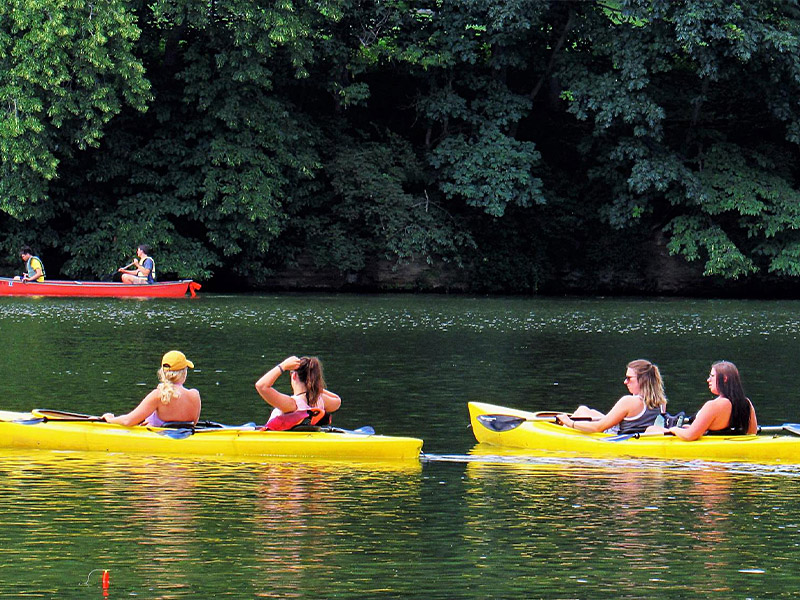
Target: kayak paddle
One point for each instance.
(502, 423)
(793, 428)
(63, 415)
(43, 415)
(626, 436)
(184, 432)
(113, 274)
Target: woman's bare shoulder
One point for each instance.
(630, 400)
(718, 403)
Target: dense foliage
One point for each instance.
(513, 145)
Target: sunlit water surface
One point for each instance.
(464, 522)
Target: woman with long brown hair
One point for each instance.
(731, 412)
(309, 403)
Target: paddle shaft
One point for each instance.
(792, 428)
(626, 436)
(786, 428)
(508, 422)
(62, 415)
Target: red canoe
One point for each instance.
(98, 289)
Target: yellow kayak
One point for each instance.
(502, 426)
(53, 430)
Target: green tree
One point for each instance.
(67, 67)
(695, 109)
(532, 145)
(204, 177)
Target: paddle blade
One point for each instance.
(500, 422)
(28, 421)
(365, 430)
(176, 434)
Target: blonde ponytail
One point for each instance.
(167, 386)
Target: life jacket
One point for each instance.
(151, 277)
(286, 421)
(31, 271)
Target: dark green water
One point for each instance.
(454, 526)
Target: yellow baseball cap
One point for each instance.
(175, 361)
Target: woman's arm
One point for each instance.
(331, 401)
(702, 421)
(273, 397)
(618, 412)
(138, 414)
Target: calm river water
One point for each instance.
(464, 522)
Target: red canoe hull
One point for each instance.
(98, 289)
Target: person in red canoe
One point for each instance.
(170, 401)
(145, 271)
(34, 269)
(309, 404)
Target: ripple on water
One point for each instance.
(655, 317)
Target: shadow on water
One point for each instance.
(547, 459)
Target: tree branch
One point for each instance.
(556, 49)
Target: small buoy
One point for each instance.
(106, 580)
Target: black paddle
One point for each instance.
(626, 436)
(791, 428)
(502, 423)
(45, 414)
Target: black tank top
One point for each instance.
(640, 423)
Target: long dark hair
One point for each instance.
(310, 373)
(729, 385)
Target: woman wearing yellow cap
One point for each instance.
(170, 401)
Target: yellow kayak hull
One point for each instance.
(230, 442)
(539, 434)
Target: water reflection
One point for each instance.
(631, 526)
(458, 526)
(160, 525)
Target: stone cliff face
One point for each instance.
(641, 269)
(379, 275)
